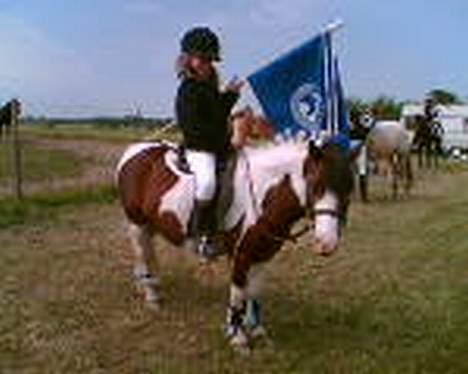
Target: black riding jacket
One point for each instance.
(202, 112)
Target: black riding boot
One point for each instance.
(203, 227)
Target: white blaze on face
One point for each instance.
(326, 225)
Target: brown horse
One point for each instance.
(247, 128)
(13, 107)
(273, 187)
(428, 141)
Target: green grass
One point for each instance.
(39, 208)
(41, 164)
(394, 299)
(94, 132)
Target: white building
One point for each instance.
(453, 118)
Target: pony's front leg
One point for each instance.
(236, 313)
(145, 262)
(253, 317)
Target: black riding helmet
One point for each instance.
(201, 41)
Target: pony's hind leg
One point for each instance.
(145, 262)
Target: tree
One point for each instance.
(443, 97)
(356, 108)
(385, 108)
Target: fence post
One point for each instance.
(16, 150)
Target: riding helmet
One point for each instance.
(201, 41)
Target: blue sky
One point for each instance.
(98, 57)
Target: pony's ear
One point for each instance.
(315, 151)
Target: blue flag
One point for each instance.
(301, 91)
(341, 119)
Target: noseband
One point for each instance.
(327, 212)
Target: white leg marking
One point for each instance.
(145, 262)
(235, 316)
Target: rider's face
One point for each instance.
(202, 66)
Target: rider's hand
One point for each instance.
(234, 85)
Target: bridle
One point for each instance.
(328, 212)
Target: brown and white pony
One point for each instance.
(274, 186)
(13, 107)
(389, 145)
(247, 128)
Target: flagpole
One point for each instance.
(331, 29)
(334, 26)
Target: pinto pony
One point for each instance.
(247, 127)
(273, 187)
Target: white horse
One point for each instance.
(389, 144)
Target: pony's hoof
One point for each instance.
(258, 332)
(243, 350)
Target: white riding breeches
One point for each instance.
(203, 166)
(361, 160)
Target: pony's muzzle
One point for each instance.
(324, 249)
(326, 234)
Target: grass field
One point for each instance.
(40, 164)
(393, 300)
(93, 132)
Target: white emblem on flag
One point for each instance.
(307, 106)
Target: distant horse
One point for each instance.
(390, 146)
(13, 107)
(428, 141)
(273, 187)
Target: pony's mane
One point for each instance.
(277, 153)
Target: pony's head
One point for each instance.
(329, 185)
(246, 126)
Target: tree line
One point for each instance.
(109, 122)
(387, 108)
